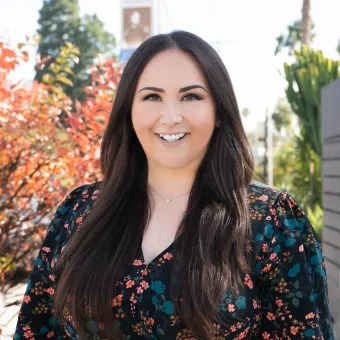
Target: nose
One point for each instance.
(170, 114)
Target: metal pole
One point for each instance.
(270, 157)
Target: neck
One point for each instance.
(170, 182)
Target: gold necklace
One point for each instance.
(167, 199)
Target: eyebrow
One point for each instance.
(183, 89)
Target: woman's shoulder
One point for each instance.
(275, 211)
(262, 196)
(70, 214)
(258, 191)
(261, 199)
(79, 198)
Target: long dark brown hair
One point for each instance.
(215, 229)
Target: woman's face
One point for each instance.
(173, 111)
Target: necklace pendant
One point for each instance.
(168, 200)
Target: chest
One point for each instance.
(160, 231)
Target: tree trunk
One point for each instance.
(305, 23)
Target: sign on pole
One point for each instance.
(137, 25)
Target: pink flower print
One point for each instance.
(28, 334)
(263, 198)
(117, 301)
(265, 247)
(50, 334)
(139, 290)
(294, 330)
(278, 302)
(95, 194)
(310, 315)
(46, 249)
(248, 281)
(255, 305)
(144, 284)
(267, 267)
(52, 277)
(272, 256)
(27, 299)
(271, 316)
(130, 283)
(273, 211)
(137, 263)
(231, 307)
(301, 248)
(168, 256)
(132, 298)
(66, 226)
(50, 290)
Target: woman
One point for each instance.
(178, 241)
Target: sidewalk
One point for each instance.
(9, 307)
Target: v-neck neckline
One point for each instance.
(157, 257)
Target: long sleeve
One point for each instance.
(35, 320)
(295, 301)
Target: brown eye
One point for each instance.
(151, 97)
(191, 96)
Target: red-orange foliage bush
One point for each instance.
(48, 145)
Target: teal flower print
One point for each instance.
(154, 300)
(158, 287)
(294, 270)
(241, 302)
(168, 307)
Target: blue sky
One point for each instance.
(242, 31)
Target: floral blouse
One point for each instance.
(285, 297)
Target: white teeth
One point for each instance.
(172, 138)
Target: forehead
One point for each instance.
(172, 68)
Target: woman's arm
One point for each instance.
(35, 320)
(295, 292)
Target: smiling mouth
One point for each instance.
(173, 137)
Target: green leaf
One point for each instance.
(47, 78)
(64, 80)
(295, 269)
(60, 60)
(55, 67)
(295, 302)
(299, 294)
(68, 70)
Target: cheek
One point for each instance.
(201, 118)
(143, 121)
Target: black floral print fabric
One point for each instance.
(284, 297)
